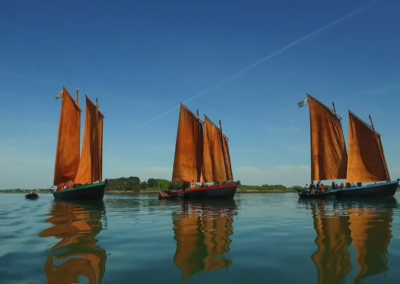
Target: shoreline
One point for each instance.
(157, 191)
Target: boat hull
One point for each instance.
(381, 189)
(222, 191)
(85, 192)
(31, 196)
(326, 194)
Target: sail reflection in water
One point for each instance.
(202, 230)
(341, 224)
(76, 256)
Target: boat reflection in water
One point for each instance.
(202, 230)
(76, 256)
(364, 224)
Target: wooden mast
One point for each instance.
(223, 151)
(77, 97)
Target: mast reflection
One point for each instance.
(202, 230)
(364, 224)
(77, 254)
(371, 234)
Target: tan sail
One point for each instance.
(68, 142)
(101, 125)
(189, 148)
(328, 148)
(367, 161)
(89, 166)
(371, 234)
(227, 157)
(213, 156)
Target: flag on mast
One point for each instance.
(302, 103)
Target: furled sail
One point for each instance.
(189, 148)
(328, 148)
(90, 167)
(213, 156)
(367, 161)
(68, 142)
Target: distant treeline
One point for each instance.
(136, 185)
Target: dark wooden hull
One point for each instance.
(326, 194)
(380, 189)
(222, 191)
(85, 192)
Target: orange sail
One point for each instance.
(90, 166)
(213, 156)
(367, 161)
(68, 142)
(101, 125)
(328, 149)
(227, 157)
(189, 148)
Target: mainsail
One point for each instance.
(328, 148)
(90, 165)
(189, 148)
(367, 161)
(200, 157)
(68, 142)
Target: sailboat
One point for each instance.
(201, 158)
(329, 161)
(328, 148)
(79, 177)
(367, 162)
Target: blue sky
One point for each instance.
(141, 58)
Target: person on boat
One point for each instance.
(322, 187)
(307, 187)
(318, 184)
(342, 185)
(193, 185)
(334, 185)
(312, 187)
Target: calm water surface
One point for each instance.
(255, 238)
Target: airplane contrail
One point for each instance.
(304, 38)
